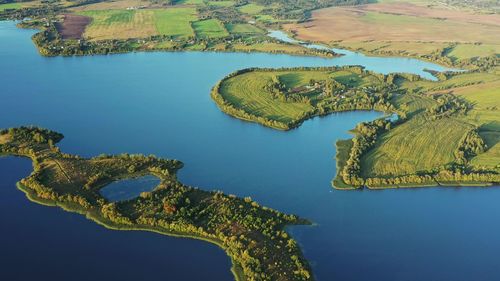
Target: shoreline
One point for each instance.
(94, 217)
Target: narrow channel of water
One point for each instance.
(383, 65)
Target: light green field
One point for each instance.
(421, 144)
(120, 24)
(210, 28)
(175, 21)
(466, 51)
(190, 2)
(8, 6)
(221, 3)
(485, 115)
(247, 91)
(416, 145)
(251, 9)
(124, 24)
(243, 28)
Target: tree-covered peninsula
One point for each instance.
(443, 132)
(252, 235)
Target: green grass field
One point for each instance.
(175, 22)
(244, 28)
(416, 145)
(123, 24)
(8, 6)
(120, 24)
(251, 9)
(210, 28)
(221, 3)
(247, 92)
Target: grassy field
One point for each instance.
(10, 6)
(244, 28)
(123, 24)
(419, 144)
(247, 92)
(210, 28)
(119, 24)
(251, 9)
(175, 22)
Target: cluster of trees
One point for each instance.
(366, 136)
(471, 146)
(447, 105)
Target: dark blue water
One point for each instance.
(127, 189)
(159, 103)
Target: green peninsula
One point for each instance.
(252, 235)
(444, 132)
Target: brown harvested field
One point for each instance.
(72, 26)
(398, 22)
(409, 9)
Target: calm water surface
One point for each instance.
(127, 189)
(159, 103)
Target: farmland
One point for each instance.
(423, 29)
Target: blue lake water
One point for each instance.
(127, 189)
(159, 103)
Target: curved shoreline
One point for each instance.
(93, 216)
(173, 209)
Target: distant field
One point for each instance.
(221, 3)
(385, 22)
(210, 28)
(244, 28)
(4, 7)
(175, 21)
(120, 24)
(112, 5)
(252, 9)
(123, 24)
(396, 28)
